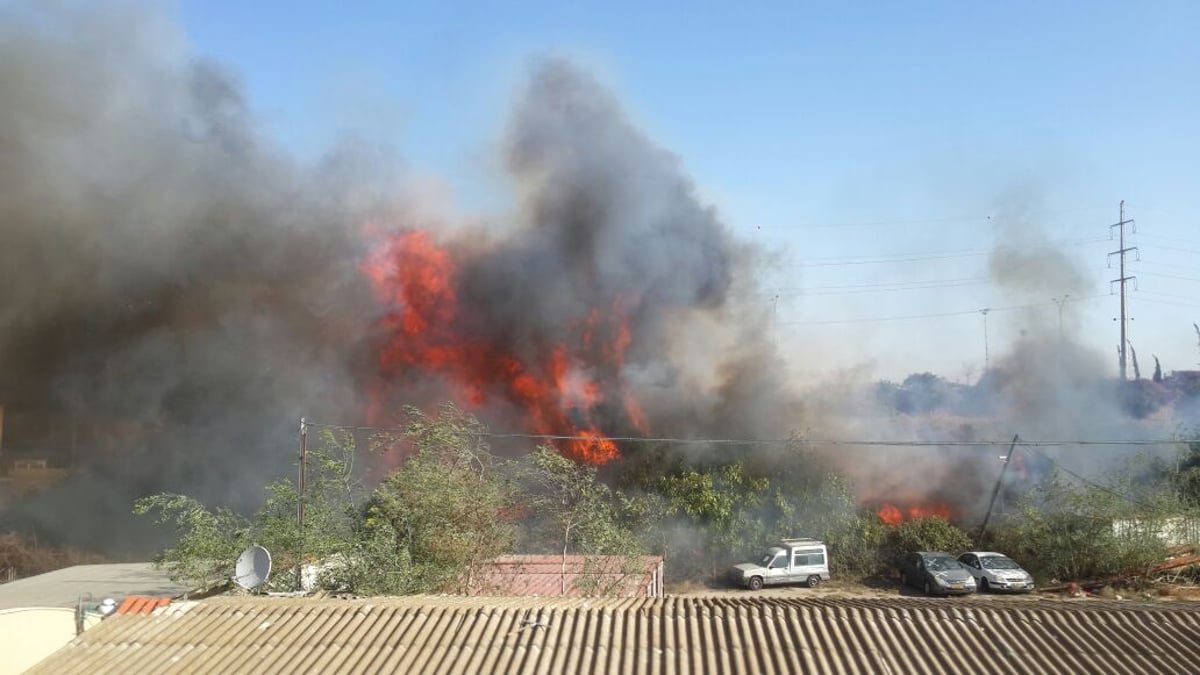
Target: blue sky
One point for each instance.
(880, 149)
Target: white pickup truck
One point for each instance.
(793, 561)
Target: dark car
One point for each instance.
(936, 573)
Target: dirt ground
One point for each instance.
(879, 588)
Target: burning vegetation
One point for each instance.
(556, 389)
(893, 515)
(562, 319)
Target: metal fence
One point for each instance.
(1172, 530)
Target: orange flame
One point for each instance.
(417, 281)
(893, 515)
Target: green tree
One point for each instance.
(570, 510)
(581, 513)
(209, 539)
(1066, 531)
(1186, 476)
(721, 504)
(858, 547)
(807, 496)
(449, 506)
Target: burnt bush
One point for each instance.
(23, 558)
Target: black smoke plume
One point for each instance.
(176, 291)
(606, 219)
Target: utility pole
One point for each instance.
(984, 312)
(1120, 252)
(301, 489)
(999, 482)
(1060, 302)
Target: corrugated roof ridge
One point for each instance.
(741, 632)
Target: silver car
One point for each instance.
(936, 573)
(996, 572)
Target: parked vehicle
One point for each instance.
(793, 561)
(996, 572)
(936, 573)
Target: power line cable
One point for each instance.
(879, 285)
(1173, 240)
(923, 256)
(1170, 276)
(1172, 303)
(977, 219)
(982, 220)
(1156, 263)
(1098, 486)
(935, 315)
(882, 288)
(1186, 298)
(1160, 247)
(779, 441)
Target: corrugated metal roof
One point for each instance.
(728, 634)
(571, 576)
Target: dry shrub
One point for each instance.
(26, 559)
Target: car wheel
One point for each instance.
(756, 583)
(813, 581)
(984, 586)
(927, 589)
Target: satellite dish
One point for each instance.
(253, 568)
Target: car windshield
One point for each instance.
(768, 559)
(942, 564)
(997, 562)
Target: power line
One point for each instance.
(1172, 240)
(1164, 212)
(1171, 276)
(977, 219)
(1160, 247)
(1098, 486)
(880, 319)
(881, 288)
(982, 220)
(1186, 268)
(1142, 291)
(935, 315)
(839, 262)
(1166, 302)
(779, 441)
(923, 256)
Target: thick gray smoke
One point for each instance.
(615, 217)
(608, 230)
(175, 291)
(1043, 385)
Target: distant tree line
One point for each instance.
(925, 393)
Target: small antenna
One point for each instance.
(253, 568)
